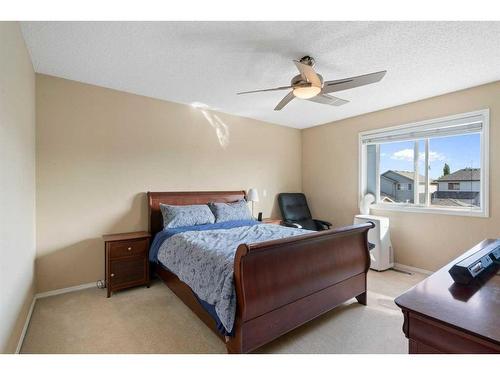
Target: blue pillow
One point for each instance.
(183, 216)
(230, 211)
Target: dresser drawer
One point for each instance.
(128, 271)
(128, 248)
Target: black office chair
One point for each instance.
(295, 212)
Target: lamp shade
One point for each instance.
(252, 195)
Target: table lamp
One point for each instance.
(252, 196)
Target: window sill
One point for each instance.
(431, 210)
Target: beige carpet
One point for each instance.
(154, 320)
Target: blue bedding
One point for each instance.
(169, 232)
(203, 257)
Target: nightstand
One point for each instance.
(126, 260)
(271, 221)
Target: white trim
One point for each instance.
(483, 211)
(427, 198)
(440, 210)
(405, 268)
(65, 290)
(416, 175)
(25, 327)
(485, 164)
(361, 171)
(44, 295)
(404, 207)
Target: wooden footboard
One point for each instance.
(285, 283)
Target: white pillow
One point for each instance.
(184, 216)
(230, 211)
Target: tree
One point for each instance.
(446, 169)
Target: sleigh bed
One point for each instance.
(279, 284)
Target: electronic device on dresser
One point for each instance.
(443, 316)
(126, 260)
(477, 264)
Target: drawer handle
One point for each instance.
(129, 249)
(112, 275)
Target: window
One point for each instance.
(403, 186)
(439, 165)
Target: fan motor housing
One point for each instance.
(308, 60)
(298, 80)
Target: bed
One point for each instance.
(279, 284)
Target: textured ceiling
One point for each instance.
(208, 62)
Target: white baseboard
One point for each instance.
(26, 324)
(65, 290)
(44, 295)
(404, 267)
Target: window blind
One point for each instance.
(464, 125)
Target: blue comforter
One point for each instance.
(203, 258)
(169, 232)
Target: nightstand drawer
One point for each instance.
(128, 248)
(125, 271)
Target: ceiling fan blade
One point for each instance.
(287, 99)
(328, 99)
(352, 82)
(273, 89)
(308, 73)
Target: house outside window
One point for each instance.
(446, 159)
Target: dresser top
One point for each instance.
(473, 308)
(126, 236)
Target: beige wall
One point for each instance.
(100, 150)
(17, 184)
(428, 241)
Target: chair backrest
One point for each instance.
(294, 207)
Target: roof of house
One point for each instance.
(386, 197)
(406, 174)
(465, 174)
(452, 202)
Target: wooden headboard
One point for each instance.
(184, 198)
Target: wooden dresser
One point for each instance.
(126, 260)
(441, 316)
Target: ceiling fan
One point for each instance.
(309, 85)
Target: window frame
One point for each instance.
(483, 211)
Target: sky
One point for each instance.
(457, 151)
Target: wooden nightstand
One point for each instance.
(126, 260)
(271, 221)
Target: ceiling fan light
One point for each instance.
(306, 92)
